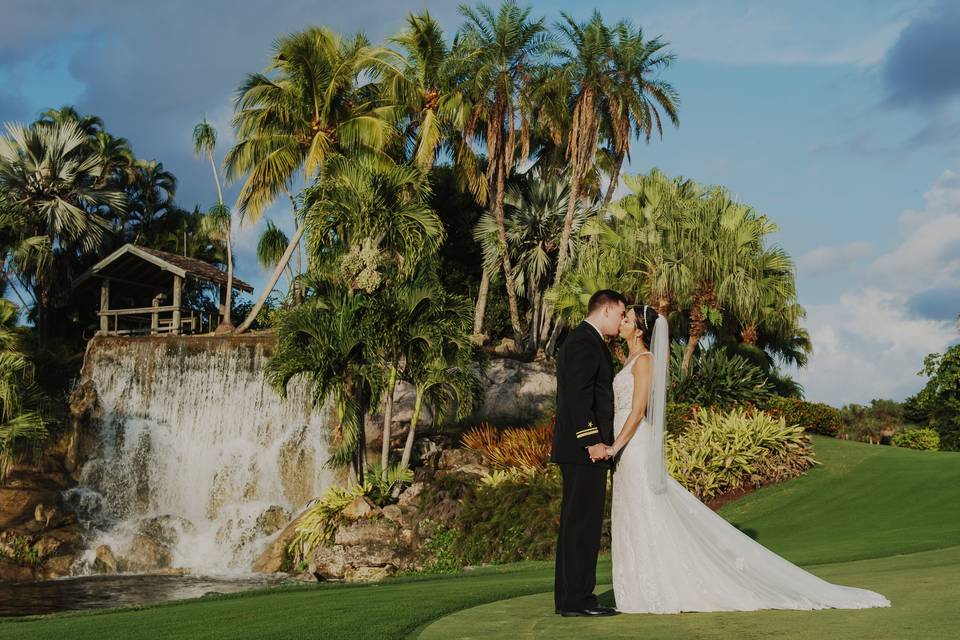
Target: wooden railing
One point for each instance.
(157, 320)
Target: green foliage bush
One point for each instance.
(815, 417)
(924, 439)
(871, 423)
(513, 516)
(717, 379)
(722, 452)
(679, 415)
(939, 401)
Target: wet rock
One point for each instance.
(20, 494)
(11, 571)
(426, 452)
(165, 529)
(329, 563)
(58, 542)
(370, 533)
(272, 558)
(272, 520)
(105, 561)
(507, 345)
(146, 554)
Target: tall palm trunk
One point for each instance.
(614, 177)
(698, 322)
(480, 310)
(412, 432)
(502, 235)
(281, 265)
(749, 334)
(387, 422)
(228, 302)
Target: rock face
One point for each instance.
(146, 554)
(515, 393)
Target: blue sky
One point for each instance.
(841, 121)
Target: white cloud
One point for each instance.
(832, 259)
(871, 343)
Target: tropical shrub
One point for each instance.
(815, 417)
(722, 452)
(939, 400)
(717, 379)
(523, 448)
(881, 418)
(924, 439)
(513, 516)
(679, 416)
(319, 524)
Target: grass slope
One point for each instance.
(863, 502)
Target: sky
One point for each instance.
(838, 120)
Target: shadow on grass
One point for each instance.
(751, 533)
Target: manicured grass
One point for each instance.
(923, 588)
(864, 502)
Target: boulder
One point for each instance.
(367, 533)
(146, 554)
(426, 452)
(360, 507)
(463, 461)
(329, 563)
(272, 520)
(507, 345)
(165, 529)
(19, 498)
(10, 571)
(105, 561)
(393, 513)
(411, 494)
(369, 574)
(271, 560)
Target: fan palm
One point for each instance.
(312, 104)
(47, 172)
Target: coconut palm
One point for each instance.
(495, 57)
(25, 412)
(47, 172)
(151, 196)
(637, 95)
(273, 241)
(204, 143)
(313, 101)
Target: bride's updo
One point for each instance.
(646, 317)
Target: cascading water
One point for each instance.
(195, 449)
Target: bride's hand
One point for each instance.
(611, 452)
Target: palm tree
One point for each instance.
(273, 241)
(89, 125)
(328, 341)
(314, 104)
(25, 412)
(496, 56)
(151, 196)
(46, 171)
(636, 99)
(204, 142)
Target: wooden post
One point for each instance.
(104, 306)
(223, 301)
(177, 292)
(155, 316)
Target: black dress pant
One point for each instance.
(581, 520)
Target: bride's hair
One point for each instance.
(646, 318)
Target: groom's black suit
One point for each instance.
(584, 418)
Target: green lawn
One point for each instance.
(864, 502)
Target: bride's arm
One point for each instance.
(641, 391)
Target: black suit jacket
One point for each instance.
(584, 396)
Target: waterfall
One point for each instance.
(193, 446)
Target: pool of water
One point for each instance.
(101, 592)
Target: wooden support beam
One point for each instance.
(177, 294)
(155, 316)
(104, 307)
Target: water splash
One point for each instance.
(194, 444)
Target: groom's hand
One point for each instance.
(597, 452)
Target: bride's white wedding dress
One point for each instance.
(671, 553)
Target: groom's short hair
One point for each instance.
(604, 297)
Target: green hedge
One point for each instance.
(924, 439)
(814, 417)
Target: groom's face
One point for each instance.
(611, 317)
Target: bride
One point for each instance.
(671, 553)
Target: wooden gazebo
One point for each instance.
(142, 291)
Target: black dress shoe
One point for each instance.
(590, 612)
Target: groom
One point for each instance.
(583, 429)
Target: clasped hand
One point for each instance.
(600, 451)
